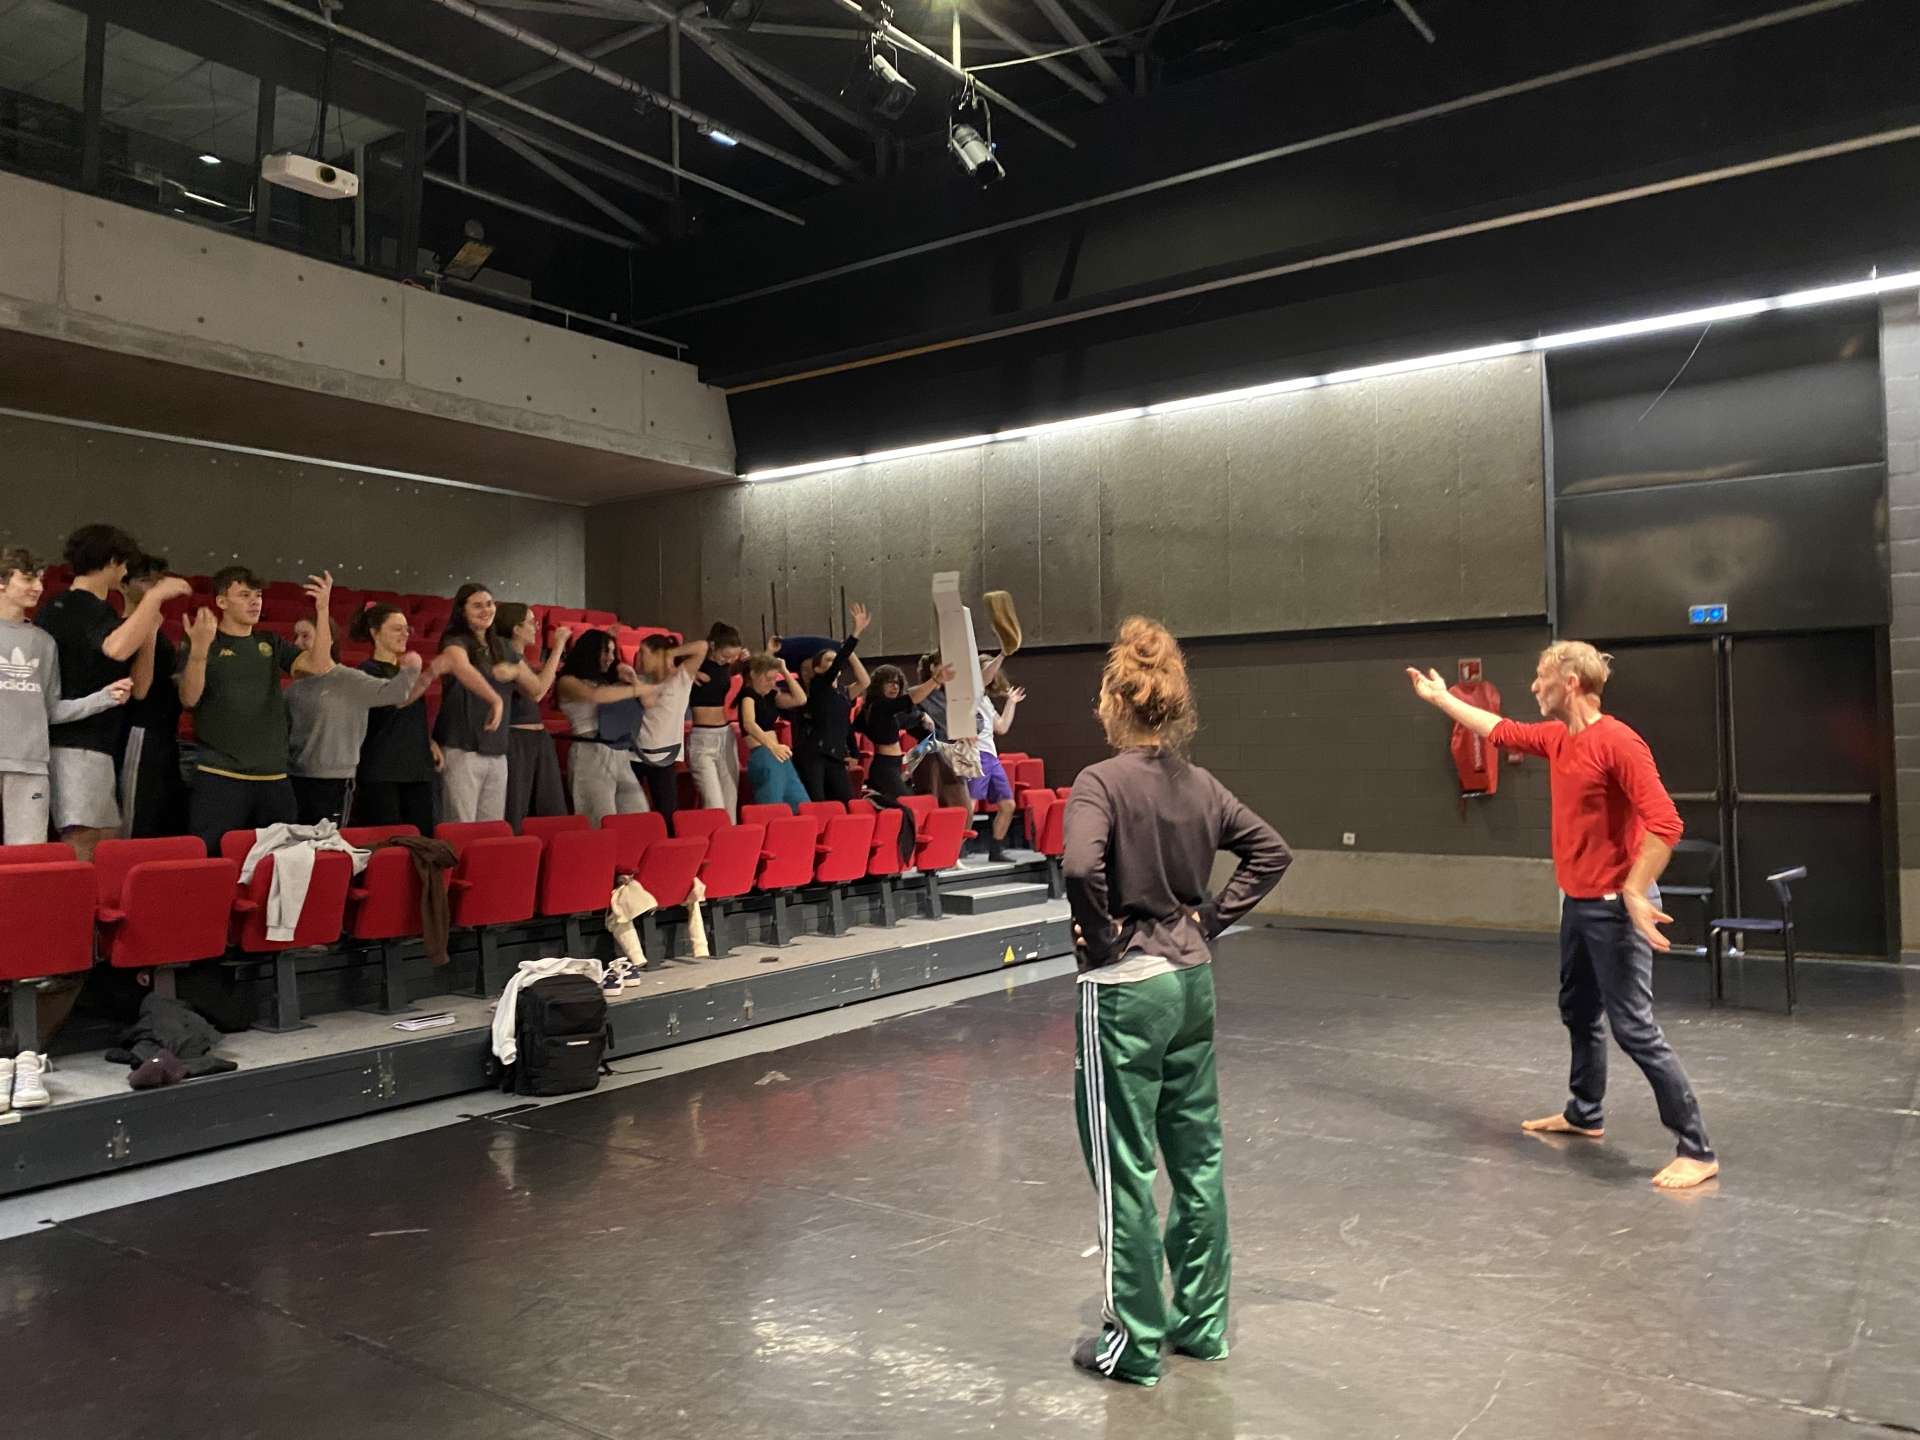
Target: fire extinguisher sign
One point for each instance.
(1470, 670)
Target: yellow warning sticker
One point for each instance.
(1008, 958)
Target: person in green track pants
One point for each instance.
(1142, 829)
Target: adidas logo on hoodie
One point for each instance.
(20, 673)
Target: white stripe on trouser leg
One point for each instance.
(1103, 1174)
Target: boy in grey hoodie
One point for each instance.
(30, 701)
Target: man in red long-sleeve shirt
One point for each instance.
(1614, 828)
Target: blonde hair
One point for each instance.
(1144, 695)
(764, 664)
(1578, 658)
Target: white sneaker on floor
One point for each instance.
(29, 1090)
(6, 1085)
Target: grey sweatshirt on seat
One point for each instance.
(329, 718)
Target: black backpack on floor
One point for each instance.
(562, 1033)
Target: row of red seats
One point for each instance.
(152, 904)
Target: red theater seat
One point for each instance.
(732, 862)
(921, 805)
(883, 858)
(941, 836)
(322, 918)
(385, 906)
(845, 849)
(700, 824)
(786, 863)
(636, 833)
(545, 827)
(667, 873)
(461, 833)
(170, 912)
(46, 928)
(48, 852)
(112, 859)
(823, 810)
(764, 814)
(496, 883)
(576, 878)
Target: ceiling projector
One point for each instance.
(309, 176)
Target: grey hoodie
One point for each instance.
(30, 697)
(329, 718)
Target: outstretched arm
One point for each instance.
(1003, 722)
(1432, 689)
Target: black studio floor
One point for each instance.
(882, 1234)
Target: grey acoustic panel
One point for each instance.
(1133, 497)
(1069, 610)
(1417, 469)
(810, 561)
(857, 545)
(1339, 512)
(676, 521)
(204, 508)
(1265, 568)
(1010, 556)
(763, 559)
(1503, 524)
(722, 551)
(1195, 510)
(903, 623)
(954, 504)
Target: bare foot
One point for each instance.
(1684, 1174)
(1559, 1125)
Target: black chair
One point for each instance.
(1740, 926)
(1695, 860)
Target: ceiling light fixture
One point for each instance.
(209, 159)
(970, 138)
(1677, 320)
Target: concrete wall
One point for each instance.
(81, 269)
(1401, 499)
(1900, 366)
(205, 508)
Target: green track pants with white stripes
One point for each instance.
(1145, 1074)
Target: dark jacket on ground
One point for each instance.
(1141, 832)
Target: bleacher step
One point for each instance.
(989, 899)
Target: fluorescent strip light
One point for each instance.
(209, 159)
(720, 137)
(1828, 294)
(1680, 320)
(205, 199)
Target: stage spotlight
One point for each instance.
(889, 93)
(970, 139)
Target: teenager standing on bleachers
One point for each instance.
(97, 647)
(30, 702)
(472, 729)
(670, 669)
(890, 708)
(329, 712)
(393, 784)
(770, 689)
(597, 690)
(231, 682)
(821, 747)
(533, 769)
(153, 796)
(713, 751)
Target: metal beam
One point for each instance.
(574, 183)
(1413, 19)
(914, 43)
(599, 50)
(535, 41)
(466, 82)
(1070, 78)
(795, 86)
(1164, 14)
(1098, 13)
(501, 129)
(552, 7)
(493, 197)
(789, 31)
(724, 57)
(1071, 32)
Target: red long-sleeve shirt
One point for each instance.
(1607, 797)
